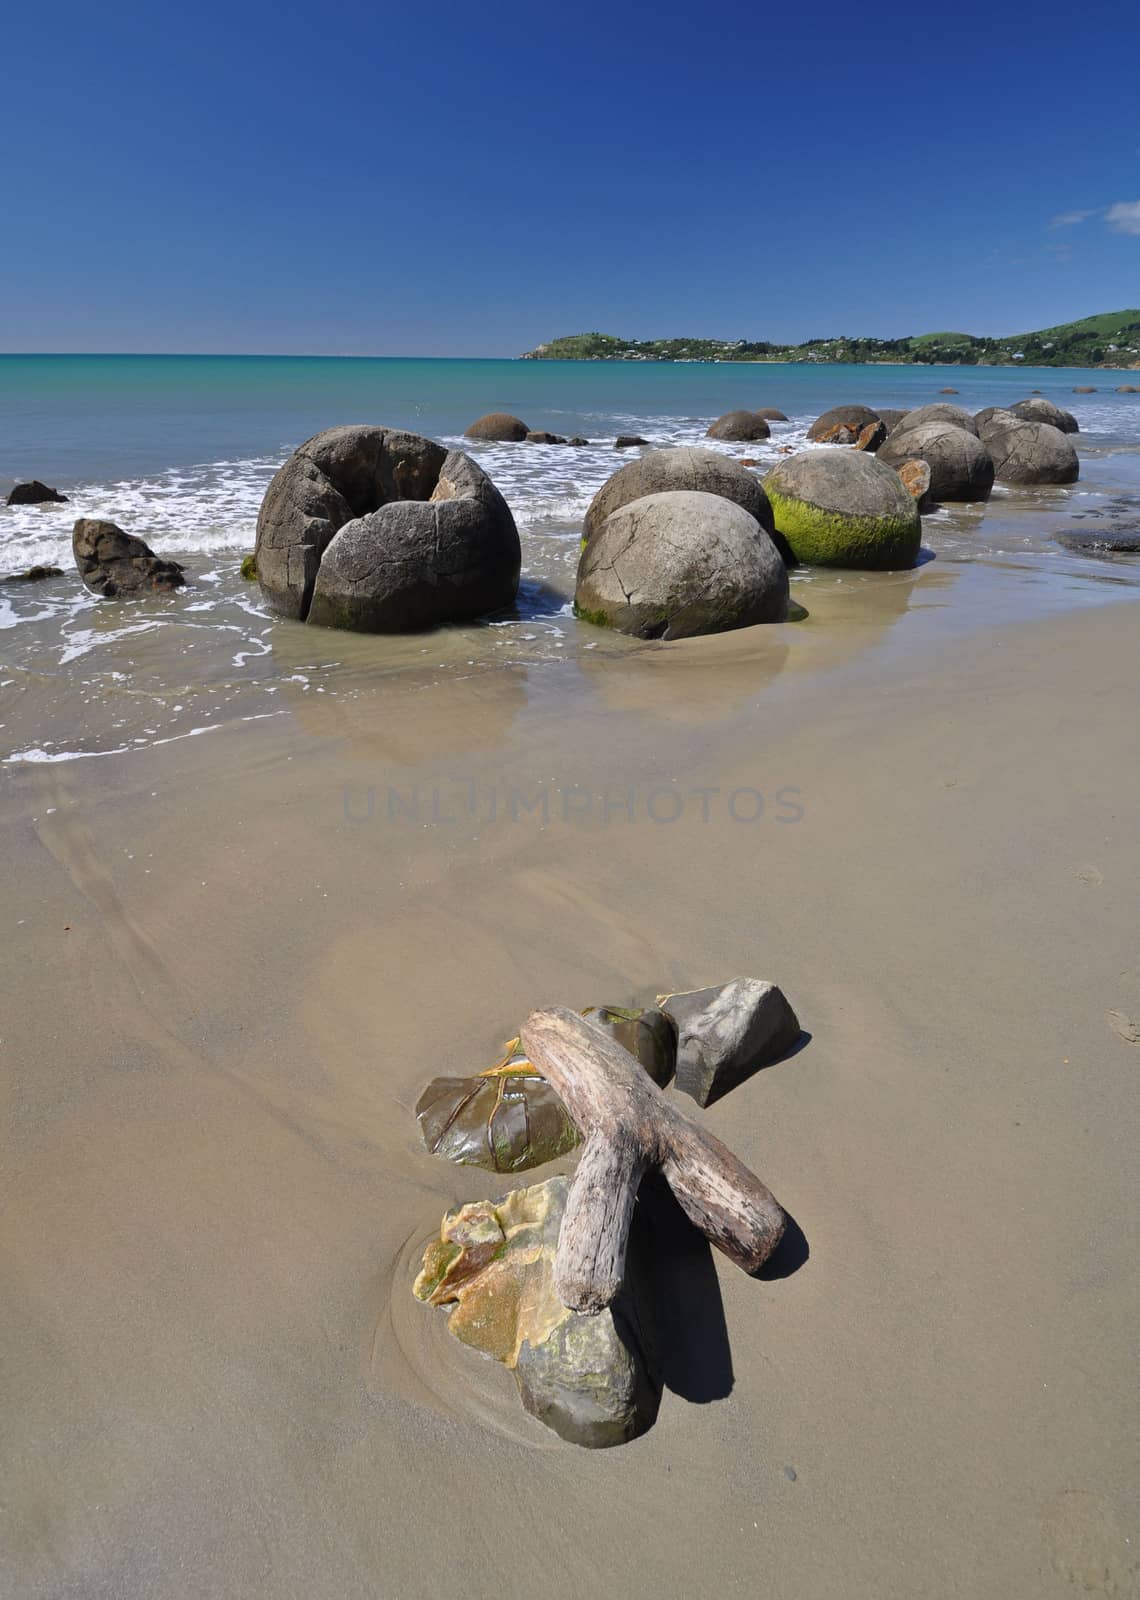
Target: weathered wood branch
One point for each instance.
(629, 1126)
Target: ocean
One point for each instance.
(179, 449)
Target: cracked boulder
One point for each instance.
(1038, 409)
(384, 531)
(1030, 452)
(686, 467)
(940, 411)
(844, 508)
(117, 565)
(680, 563)
(960, 465)
(854, 418)
(593, 1379)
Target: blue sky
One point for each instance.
(471, 179)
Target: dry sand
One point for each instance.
(224, 995)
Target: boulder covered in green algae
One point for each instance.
(508, 1118)
(249, 568)
(844, 508)
(592, 1379)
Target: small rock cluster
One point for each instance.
(594, 1379)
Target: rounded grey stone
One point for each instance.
(687, 467)
(739, 427)
(1031, 452)
(1038, 409)
(854, 417)
(960, 465)
(681, 563)
(940, 411)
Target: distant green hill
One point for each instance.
(1111, 339)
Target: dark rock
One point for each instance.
(34, 575)
(872, 436)
(1040, 410)
(498, 427)
(727, 1033)
(1031, 453)
(739, 427)
(677, 564)
(853, 417)
(960, 465)
(770, 414)
(940, 411)
(891, 419)
(686, 467)
(416, 563)
(594, 1379)
(577, 440)
(627, 441)
(538, 437)
(844, 508)
(115, 564)
(1105, 544)
(35, 494)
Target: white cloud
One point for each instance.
(1124, 216)
(1069, 219)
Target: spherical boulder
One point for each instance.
(940, 411)
(680, 563)
(1041, 410)
(844, 508)
(498, 427)
(687, 467)
(333, 477)
(770, 414)
(993, 417)
(739, 427)
(1031, 453)
(960, 465)
(414, 564)
(853, 417)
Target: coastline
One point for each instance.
(223, 1177)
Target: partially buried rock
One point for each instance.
(508, 1118)
(1102, 544)
(947, 391)
(844, 508)
(35, 494)
(853, 417)
(249, 568)
(739, 427)
(686, 467)
(577, 440)
(115, 564)
(770, 414)
(678, 564)
(593, 1379)
(960, 465)
(1085, 388)
(498, 427)
(727, 1033)
(537, 436)
(34, 575)
(1031, 453)
(1041, 410)
(627, 441)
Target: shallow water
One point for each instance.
(180, 450)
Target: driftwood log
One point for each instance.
(629, 1126)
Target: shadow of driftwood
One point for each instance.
(693, 1349)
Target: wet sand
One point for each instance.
(236, 959)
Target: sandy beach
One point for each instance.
(216, 1380)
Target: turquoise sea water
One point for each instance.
(180, 449)
(74, 418)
